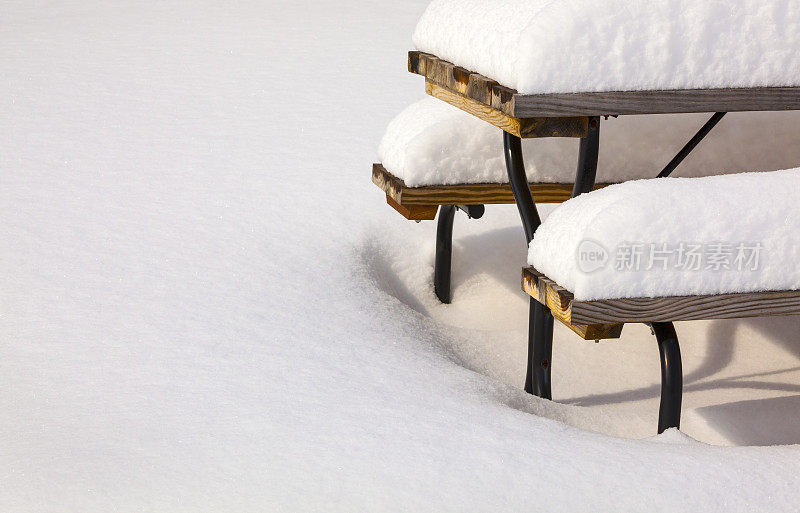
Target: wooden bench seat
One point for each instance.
(603, 319)
(422, 203)
(426, 202)
(581, 273)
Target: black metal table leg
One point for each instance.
(519, 185)
(669, 413)
(587, 159)
(540, 319)
(540, 350)
(444, 253)
(442, 264)
(540, 322)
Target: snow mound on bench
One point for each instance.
(434, 143)
(589, 244)
(542, 46)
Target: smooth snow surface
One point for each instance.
(546, 46)
(206, 305)
(433, 143)
(675, 237)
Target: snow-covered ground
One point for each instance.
(205, 305)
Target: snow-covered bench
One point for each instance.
(673, 249)
(435, 154)
(435, 157)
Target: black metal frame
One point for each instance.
(540, 319)
(442, 264)
(669, 412)
(693, 142)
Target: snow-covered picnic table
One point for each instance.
(555, 69)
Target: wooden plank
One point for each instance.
(417, 63)
(525, 128)
(466, 194)
(479, 88)
(613, 103)
(414, 212)
(687, 308)
(486, 99)
(459, 80)
(452, 77)
(616, 103)
(559, 303)
(503, 99)
(438, 72)
(596, 332)
(664, 309)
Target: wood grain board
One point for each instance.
(617, 103)
(507, 101)
(466, 194)
(662, 309)
(414, 212)
(526, 128)
(559, 301)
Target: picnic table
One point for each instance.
(579, 115)
(557, 69)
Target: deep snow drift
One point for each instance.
(205, 304)
(546, 46)
(433, 143)
(675, 237)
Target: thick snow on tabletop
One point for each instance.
(545, 46)
(675, 237)
(433, 143)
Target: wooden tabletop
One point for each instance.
(445, 77)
